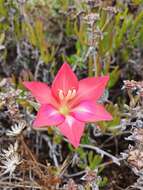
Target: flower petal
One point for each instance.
(48, 115)
(88, 111)
(72, 129)
(90, 89)
(40, 91)
(64, 80)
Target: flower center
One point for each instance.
(66, 97)
(64, 110)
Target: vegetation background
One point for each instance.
(96, 37)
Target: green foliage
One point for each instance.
(37, 38)
(103, 182)
(94, 160)
(114, 76)
(109, 126)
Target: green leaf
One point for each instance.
(114, 76)
(34, 105)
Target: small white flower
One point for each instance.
(124, 155)
(16, 129)
(129, 138)
(10, 164)
(12, 149)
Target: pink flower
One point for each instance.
(69, 103)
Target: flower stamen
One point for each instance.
(70, 95)
(61, 95)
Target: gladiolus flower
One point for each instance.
(69, 103)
